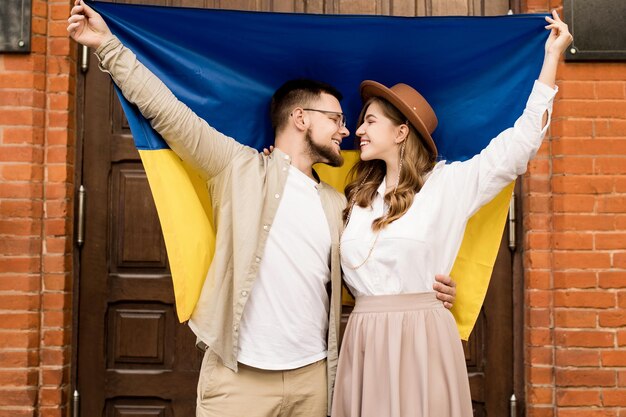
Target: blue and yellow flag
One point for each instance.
(225, 65)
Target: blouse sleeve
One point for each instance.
(478, 180)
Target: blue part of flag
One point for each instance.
(225, 65)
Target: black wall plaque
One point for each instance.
(599, 29)
(15, 18)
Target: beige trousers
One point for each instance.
(253, 392)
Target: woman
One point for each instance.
(401, 354)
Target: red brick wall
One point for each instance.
(575, 240)
(36, 193)
(574, 217)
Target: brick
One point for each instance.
(21, 117)
(538, 298)
(57, 263)
(619, 260)
(585, 378)
(610, 127)
(540, 375)
(575, 279)
(20, 265)
(30, 62)
(613, 358)
(539, 337)
(569, 221)
(20, 246)
(582, 338)
(56, 301)
(584, 298)
(540, 204)
(621, 338)
(20, 208)
(583, 184)
(539, 355)
(18, 321)
(61, 172)
(21, 172)
(610, 240)
(21, 98)
(540, 395)
(611, 204)
(577, 357)
(23, 135)
(611, 90)
(612, 279)
(573, 165)
(20, 227)
(539, 411)
(57, 319)
(19, 282)
(539, 317)
(18, 378)
(57, 282)
(56, 338)
(572, 128)
(538, 259)
(538, 280)
(20, 154)
(18, 398)
(609, 165)
(58, 245)
(614, 397)
(581, 259)
(538, 185)
(586, 412)
(538, 240)
(575, 318)
(22, 80)
(18, 340)
(577, 397)
(58, 154)
(574, 203)
(577, 90)
(18, 359)
(538, 166)
(597, 71)
(573, 240)
(538, 222)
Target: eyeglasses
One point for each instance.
(340, 119)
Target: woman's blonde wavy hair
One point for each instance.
(366, 176)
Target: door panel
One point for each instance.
(134, 358)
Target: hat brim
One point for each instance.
(371, 89)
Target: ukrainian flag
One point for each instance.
(225, 65)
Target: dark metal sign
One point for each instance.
(599, 29)
(15, 17)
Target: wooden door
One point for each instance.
(132, 355)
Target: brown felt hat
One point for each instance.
(411, 104)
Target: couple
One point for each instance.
(269, 329)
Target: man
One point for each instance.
(264, 317)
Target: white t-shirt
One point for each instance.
(285, 321)
(426, 239)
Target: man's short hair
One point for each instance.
(297, 93)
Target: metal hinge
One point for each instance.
(84, 58)
(80, 227)
(513, 403)
(76, 404)
(512, 219)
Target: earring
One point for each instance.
(400, 165)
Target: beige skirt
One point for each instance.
(401, 356)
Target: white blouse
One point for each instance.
(425, 241)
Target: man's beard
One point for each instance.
(324, 154)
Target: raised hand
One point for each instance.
(86, 26)
(559, 37)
